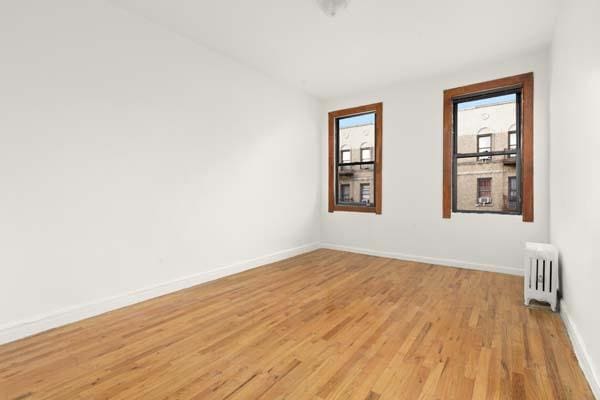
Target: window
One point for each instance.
(365, 193)
(478, 120)
(365, 155)
(512, 193)
(484, 145)
(484, 191)
(355, 133)
(345, 192)
(495, 110)
(346, 156)
(512, 142)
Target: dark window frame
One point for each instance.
(486, 155)
(376, 164)
(524, 82)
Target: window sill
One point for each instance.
(354, 209)
(484, 210)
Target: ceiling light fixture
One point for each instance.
(332, 7)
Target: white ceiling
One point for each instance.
(371, 43)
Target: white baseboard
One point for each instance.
(427, 260)
(20, 329)
(580, 350)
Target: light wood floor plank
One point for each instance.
(324, 325)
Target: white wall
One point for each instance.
(411, 225)
(575, 174)
(131, 157)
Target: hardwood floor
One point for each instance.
(324, 325)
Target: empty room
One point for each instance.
(299, 199)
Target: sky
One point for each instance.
(484, 102)
(363, 119)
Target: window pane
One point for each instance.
(357, 137)
(484, 190)
(489, 185)
(512, 142)
(484, 125)
(346, 156)
(345, 193)
(365, 154)
(355, 186)
(365, 193)
(485, 143)
(512, 203)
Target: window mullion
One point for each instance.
(356, 163)
(483, 154)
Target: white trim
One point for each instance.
(20, 329)
(585, 361)
(427, 260)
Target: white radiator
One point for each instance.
(541, 273)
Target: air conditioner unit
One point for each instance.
(541, 273)
(484, 200)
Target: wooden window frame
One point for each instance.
(376, 108)
(523, 82)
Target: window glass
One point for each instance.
(483, 158)
(485, 116)
(355, 179)
(356, 138)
